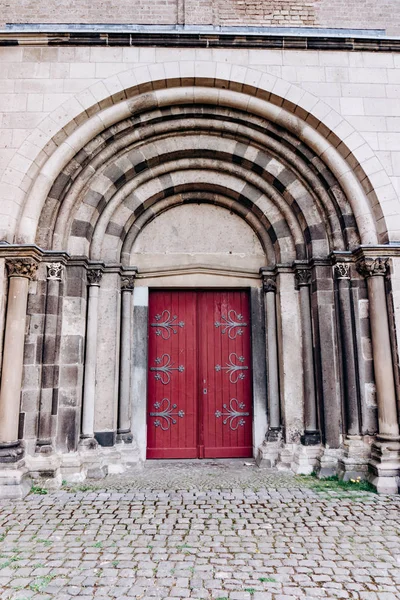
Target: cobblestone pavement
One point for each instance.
(214, 530)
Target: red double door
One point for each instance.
(199, 378)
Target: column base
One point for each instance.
(11, 452)
(88, 443)
(268, 453)
(354, 462)
(92, 460)
(305, 459)
(15, 482)
(327, 462)
(286, 455)
(44, 469)
(274, 434)
(72, 470)
(44, 447)
(384, 466)
(125, 436)
(311, 438)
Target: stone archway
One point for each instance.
(287, 178)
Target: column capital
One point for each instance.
(54, 271)
(342, 270)
(94, 276)
(21, 267)
(127, 282)
(373, 266)
(302, 277)
(269, 283)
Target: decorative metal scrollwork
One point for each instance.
(233, 369)
(233, 415)
(165, 324)
(231, 323)
(164, 368)
(166, 414)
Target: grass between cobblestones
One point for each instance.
(216, 531)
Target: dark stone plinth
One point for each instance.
(311, 438)
(105, 438)
(11, 452)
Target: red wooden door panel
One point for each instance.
(199, 380)
(225, 374)
(172, 425)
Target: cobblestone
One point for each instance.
(210, 530)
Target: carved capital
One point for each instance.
(94, 276)
(21, 267)
(127, 282)
(302, 277)
(54, 271)
(371, 267)
(342, 270)
(269, 284)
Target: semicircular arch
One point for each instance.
(257, 104)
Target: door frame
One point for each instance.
(140, 361)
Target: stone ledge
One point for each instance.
(98, 36)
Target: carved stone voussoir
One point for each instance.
(94, 276)
(342, 270)
(21, 267)
(269, 284)
(127, 282)
(303, 277)
(371, 267)
(54, 271)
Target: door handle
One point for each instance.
(204, 391)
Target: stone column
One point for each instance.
(354, 461)
(311, 432)
(124, 418)
(385, 452)
(350, 388)
(20, 272)
(89, 379)
(274, 424)
(46, 411)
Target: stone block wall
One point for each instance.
(357, 14)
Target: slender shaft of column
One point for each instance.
(375, 270)
(89, 380)
(311, 435)
(20, 272)
(269, 286)
(44, 439)
(124, 417)
(342, 271)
